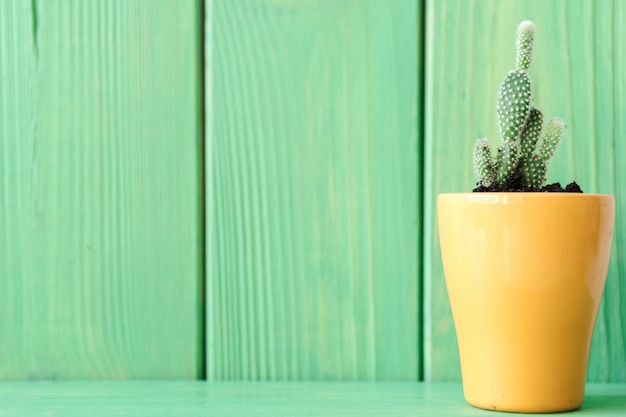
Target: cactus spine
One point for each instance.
(520, 154)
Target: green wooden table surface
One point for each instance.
(180, 398)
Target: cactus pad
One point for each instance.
(513, 105)
(508, 161)
(551, 139)
(530, 135)
(483, 164)
(525, 38)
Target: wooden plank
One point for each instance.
(577, 74)
(306, 399)
(312, 176)
(99, 189)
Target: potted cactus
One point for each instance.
(522, 159)
(525, 267)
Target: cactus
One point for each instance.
(521, 154)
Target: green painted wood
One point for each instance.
(307, 399)
(312, 189)
(578, 74)
(99, 189)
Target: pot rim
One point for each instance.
(520, 195)
(525, 198)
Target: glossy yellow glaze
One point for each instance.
(525, 274)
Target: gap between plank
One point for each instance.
(421, 172)
(202, 279)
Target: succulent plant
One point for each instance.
(524, 153)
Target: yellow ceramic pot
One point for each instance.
(525, 274)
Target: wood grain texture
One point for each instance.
(312, 176)
(578, 74)
(99, 189)
(306, 399)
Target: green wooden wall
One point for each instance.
(312, 184)
(244, 189)
(100, 245)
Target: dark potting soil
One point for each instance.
(514, 184)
